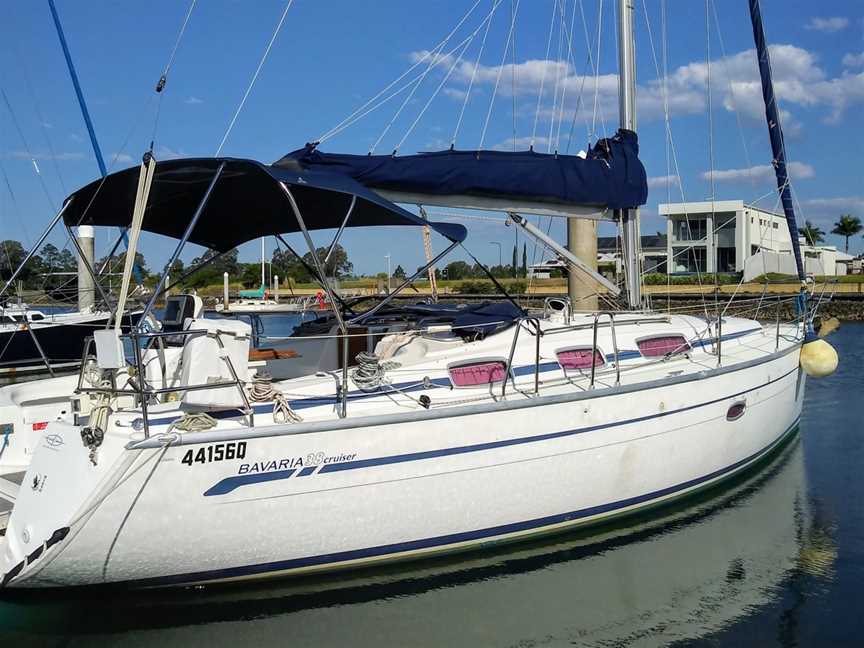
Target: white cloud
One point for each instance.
(541, 144)
(833, 207)
(63, 156)
(192, 101)
(735, 83)
(760, 173)
(662, 181)
(827, 25)
(455, 93)
(854, 60)
(75, 137)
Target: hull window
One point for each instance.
(480, 373)
(735, 411)
(657, 347)
(580, 358)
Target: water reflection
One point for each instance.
(693, 571)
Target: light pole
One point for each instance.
(500, 261)
(387, 256)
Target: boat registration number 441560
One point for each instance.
(216, 452)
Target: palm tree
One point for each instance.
(812, 233)
(847, 226)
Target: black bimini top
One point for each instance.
(247, 202)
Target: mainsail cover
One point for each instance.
(609, 176)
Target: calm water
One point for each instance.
(776, 558)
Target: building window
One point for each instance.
(775, 225)
(689, 229)
(726, 259)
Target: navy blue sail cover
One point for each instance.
(611, 175)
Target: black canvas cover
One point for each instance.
(247, 202)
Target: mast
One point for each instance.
(775, 132)
(627, 120)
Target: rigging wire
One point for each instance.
(664, 88)
(543, 74)
(555, 109)
(733, 100)
(163, 79)
(446, 78)
(39, 116)
(428, 69)
(350, 119)
(674, 156)
(418, 82)
(569, 63)
(357, 116)
(498, 76)
(27, 149)
(473, 74)
(513, 75)
(580, 105)
(592, 135)
(15, 208)
(715, 257)
(254, 76)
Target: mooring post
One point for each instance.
(225, 302)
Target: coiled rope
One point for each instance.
(261, 390)
(370, 373)
(193, 422)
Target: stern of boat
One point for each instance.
(43, 502)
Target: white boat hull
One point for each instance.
(386, 489)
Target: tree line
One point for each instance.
(52, 269)
(847, 227)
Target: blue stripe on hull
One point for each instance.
(230, 484)
(441, 542)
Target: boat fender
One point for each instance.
(818, 358)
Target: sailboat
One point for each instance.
(450, 430)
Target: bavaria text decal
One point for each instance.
(267, 470)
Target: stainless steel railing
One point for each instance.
(144, 392)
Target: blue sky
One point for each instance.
(332, 55)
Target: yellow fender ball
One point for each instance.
(818, 358)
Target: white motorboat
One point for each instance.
(267, 305)
(451, 432)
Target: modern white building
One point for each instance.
(732, 236)
(719, 236)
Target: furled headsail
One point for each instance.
(775, 132)
(610, 176)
